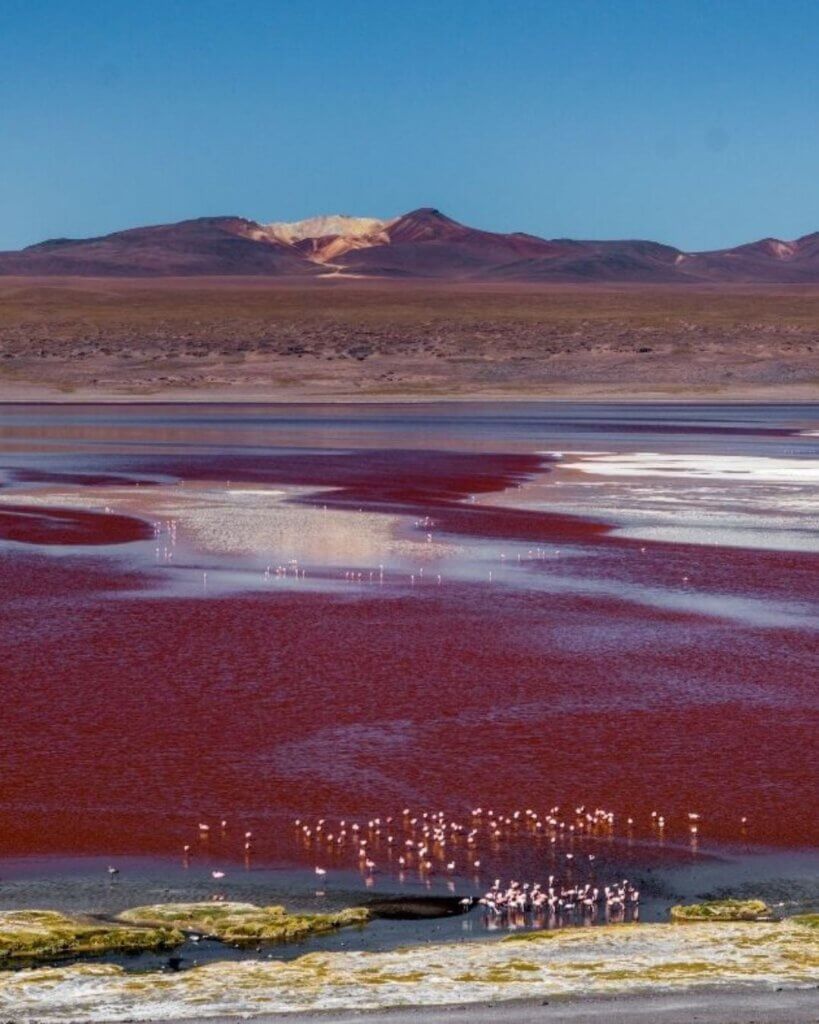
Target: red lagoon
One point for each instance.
(130, 715)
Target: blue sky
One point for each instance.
(695, 123)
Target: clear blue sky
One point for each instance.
(695, 123)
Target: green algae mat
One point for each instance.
(47, 934)
(38, 935)
(242, 922)
(723, 910)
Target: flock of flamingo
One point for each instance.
(166, 539)
(426, 844)
(560, 902)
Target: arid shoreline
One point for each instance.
(251, 340)
(24, 393)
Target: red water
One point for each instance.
(36, 525)
(129, 717)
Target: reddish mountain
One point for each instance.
(209, 245)
(426, 243)
(769, 259)
(649, 262)
(422, 244)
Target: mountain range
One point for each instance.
(422, 244)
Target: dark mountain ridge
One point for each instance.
(423, 244)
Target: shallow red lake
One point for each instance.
(632, 675)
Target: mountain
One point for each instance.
(209, 245)
(769, 259)
(422, 244)
(426, 243)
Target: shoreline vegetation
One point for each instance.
(44, 935)
(720, 946)
(242, 923)
(241, 339)
(722, 910)
(29, 936)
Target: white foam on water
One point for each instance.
(759, 538)
(242, 492)
(579, 961)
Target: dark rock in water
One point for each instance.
(408, 908)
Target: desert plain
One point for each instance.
(337, 339)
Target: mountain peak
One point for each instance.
(428, 213)
(425, 224)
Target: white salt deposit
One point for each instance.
(758, 502)
(767, 469)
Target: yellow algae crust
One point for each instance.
(621, 959)
(243, 922)
(723, 910)
(45, 934)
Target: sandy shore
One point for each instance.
(714, 1007)
(239, 392)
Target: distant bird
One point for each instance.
(217, 874)
(113, 871)
(321, 872)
